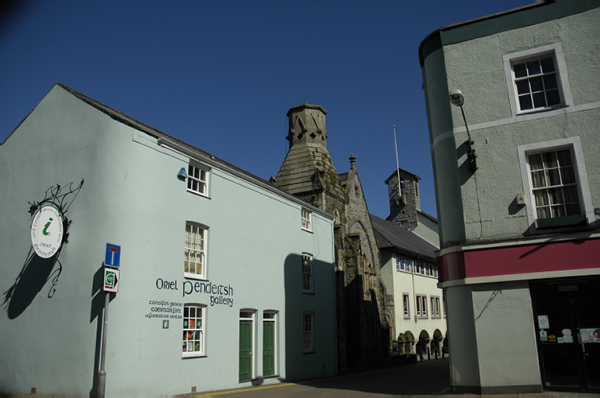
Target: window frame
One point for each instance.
(422, 306)
(202, 168)
(562, 79)
(306, 219)
(406, 305)
(203, 252)
(435, 307)
(186, 330)
(583, 190)
(307, 274)
(308, 331)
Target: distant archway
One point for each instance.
(423, 343)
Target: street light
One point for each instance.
(457, 99)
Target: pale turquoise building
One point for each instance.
(225, 281)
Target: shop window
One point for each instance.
(193, 330)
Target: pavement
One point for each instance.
(422, 379)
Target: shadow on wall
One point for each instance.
(37, 271)
(302, 360)
(34, 275)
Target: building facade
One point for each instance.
(409, 269)
(214, 264)
(364, 309)
(513, 102)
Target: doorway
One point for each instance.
(567, 322)
(246, 345)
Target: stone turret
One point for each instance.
(308, 171)
(405, 201)
(364, 320)
(307, 125)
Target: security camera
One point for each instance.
(456, 98)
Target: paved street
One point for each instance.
(423, 378)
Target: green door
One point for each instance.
(245, 350)
(268, 348)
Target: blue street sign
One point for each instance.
(113, 255)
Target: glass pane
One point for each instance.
(570, 194)
(541, 198)
(535, 162)
(573, 209)
(550, 159)
(547, 64)
(533, 68)
(520, 70)
(564, 157)
(555, 195)
(543, 212)
(558, 211)
(553, 97)
(553, 177)
(525, 102)
(539, 100)
(568, 175)
(537, 178)
(523, 87)
(550, 82)
(536, 84)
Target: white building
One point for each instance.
(406, 241)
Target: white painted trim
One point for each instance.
(516, 119)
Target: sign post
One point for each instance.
(112, 261)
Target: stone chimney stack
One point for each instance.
(307, 125)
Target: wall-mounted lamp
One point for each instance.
(182, 175)
(457, 99)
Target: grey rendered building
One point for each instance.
(513, 104)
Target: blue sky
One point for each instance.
(221, 75)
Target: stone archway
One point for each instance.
(422, 346)
(409, 340)
(436, 343)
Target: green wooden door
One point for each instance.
(245, 350)
(268, 348)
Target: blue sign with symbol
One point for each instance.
(113, 255)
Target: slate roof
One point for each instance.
(391, 236)
(297, 174)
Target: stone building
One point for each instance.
(365, 313)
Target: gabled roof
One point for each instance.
(185, 148)
(391, 236)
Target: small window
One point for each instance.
(406, 305)
(198, 179)
(195, 251)
(307, 274)
(308, 331)
(193, 330)
(306, 220)
(537, 79)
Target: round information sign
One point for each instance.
(46, 231)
